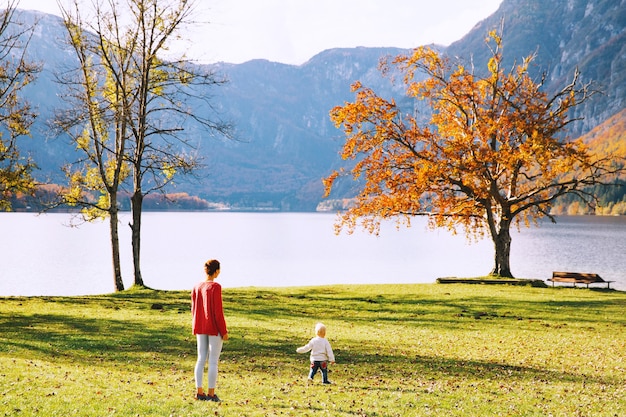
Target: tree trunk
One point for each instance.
(136, 206)
(502, 244)
(115, 250)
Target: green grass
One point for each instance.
(402, 350)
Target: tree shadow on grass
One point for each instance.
(137, 299)
(88, 340)
(407, 368)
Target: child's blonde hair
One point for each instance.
(320, 328)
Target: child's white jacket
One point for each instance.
(320, 349)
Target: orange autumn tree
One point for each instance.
(493, 154)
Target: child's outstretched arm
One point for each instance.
(304, 349)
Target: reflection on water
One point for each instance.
(42, 256)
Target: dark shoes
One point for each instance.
(206, 397)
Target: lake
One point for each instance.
(43, 255)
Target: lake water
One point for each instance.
(42, 255)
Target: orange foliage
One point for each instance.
(492, 155)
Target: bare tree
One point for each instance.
(157, 111)
(94, 121)
(145, 101)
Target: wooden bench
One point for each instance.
(578, 278)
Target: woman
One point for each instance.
(209, 327)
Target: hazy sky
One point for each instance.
(293, 31)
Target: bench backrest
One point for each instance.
(578, 275)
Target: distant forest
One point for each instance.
(612, 202)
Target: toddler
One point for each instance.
(321, 353)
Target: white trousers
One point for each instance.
(209, 348)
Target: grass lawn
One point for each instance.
(402, 350)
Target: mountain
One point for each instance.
(566, 34)
(285, 143)
(609, 138)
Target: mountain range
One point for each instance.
(284, 140)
